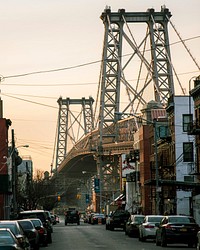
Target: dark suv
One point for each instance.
(72, 216)
(40, 214)
(117, 220)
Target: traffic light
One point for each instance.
(96, 185)
(58, 198)
(78, 196)
(137, 154)
(87, 198)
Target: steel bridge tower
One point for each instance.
(158, 66)
(68, 122)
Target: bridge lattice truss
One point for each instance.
(119, 51)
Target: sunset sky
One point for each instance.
(55, 35)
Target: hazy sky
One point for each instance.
(53, 34)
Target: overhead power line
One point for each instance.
(21, 99)
(76, 66)
(77, 84)
(53, 70)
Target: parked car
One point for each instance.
(9, 241)
(132, 225)
(42, 231)
(117, 220)
(87, 218)
(49, 218)
(198, 240)
(98, 219)
(53, 219)
(177, 229)
(57, 218)
(40, 214)
(147, 230)
(31, 233)
(72, 216)
(17, 230)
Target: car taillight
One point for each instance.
(149, 226)
(41, 231)
(170, 227)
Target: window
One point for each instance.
(187, 119)
(188, 155)
(163, 132)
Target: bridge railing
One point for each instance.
(89, 143)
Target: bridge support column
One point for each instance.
(108, 172)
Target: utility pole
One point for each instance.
(14, 176)
(156, 167)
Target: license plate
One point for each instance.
(183, 229)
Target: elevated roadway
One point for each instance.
(83, 156)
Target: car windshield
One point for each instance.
(181, 219)
(72, 212)
(155, 219)
(12, 227)
(99, 215)
(36, 223)
(139, 219)
(40, 216)
(120, 213)
(26, 224)
(6, 238)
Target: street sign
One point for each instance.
(96, 185)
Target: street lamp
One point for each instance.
(12, 157)
(190, 91)
(154, 123)
(88, 185)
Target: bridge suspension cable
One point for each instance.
(184, 44)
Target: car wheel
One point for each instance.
(190, 244)
(49, 238)
(139, 237)
(157, 241)
(45, 244)
(142, 238)
(163, 241)
(37, 247)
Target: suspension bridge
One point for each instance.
(94, 139)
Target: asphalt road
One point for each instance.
(90, 237)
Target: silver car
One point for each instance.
(198, 240)
(147, 230)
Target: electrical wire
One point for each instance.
(49, 85)
(52, 70)
(79, 65)
(42, 104)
